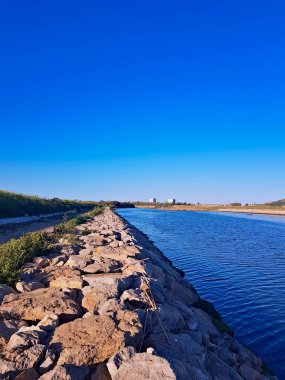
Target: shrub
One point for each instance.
(13, 205)
(16, 252)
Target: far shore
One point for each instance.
(217, 208)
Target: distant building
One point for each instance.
(152, 200)
(171, 201)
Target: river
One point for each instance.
(237, 262)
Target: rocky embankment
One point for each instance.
(113, 307)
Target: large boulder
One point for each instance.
(111, 253)
(51, 273)
(87, 340)
(139, 366)
(35, 305)
(111, 281)
(24, 287)
(66, 372)
(5, 290)
(7, 328)
(78, 262)
(102, 265)
(24, 338)
(63, 282)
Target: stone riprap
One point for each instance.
(113, 307)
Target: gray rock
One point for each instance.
(138, 366)
(8, 327)
(28, 374)
(78, 262)
(48, 362)
(23, 287)
(24, 338)
(66, 372)
(49, 322)
(5, 290)
(101, 373)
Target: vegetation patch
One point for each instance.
(15, 205)
(16, 252)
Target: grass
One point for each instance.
(16, 252)
(15, 205)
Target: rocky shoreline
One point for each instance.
(111, 306)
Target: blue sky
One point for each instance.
(133, 99)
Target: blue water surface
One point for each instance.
(236, 261)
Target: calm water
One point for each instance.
(237, 262)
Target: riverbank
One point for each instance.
(217, 208)
(110, 305)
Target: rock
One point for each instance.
(59, 260)
(30, 357)
(48, 362)
(108, 307)
(180, 290)
(205, 322)
(49, 322)
(136, 267)
(131, 323)
(28, 374)
(193, 325)
(116, 360)
(5, 290)
(95, 240)
(94, 297)
(35, 305)
(102, 266)
(24, 338)
(66, 372)
(111, 253)
(101, 373)
(87, 340)
(62, 282)
(7, 368)
(249, 373)
(139, 366)
(41, 261)
(217, 368)
(77, 262)
(86, 252)
(135, 298)
(182, 352)
(170, 318)
(52, 273)
(114, 244)
(23, 287)
(7, 328)
(69, 250)
(115, 282)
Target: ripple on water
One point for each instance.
(235, 261)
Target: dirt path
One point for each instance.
(10, 231)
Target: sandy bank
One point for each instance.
(242, 209)
(111, 306)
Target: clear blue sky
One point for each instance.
(133, 99)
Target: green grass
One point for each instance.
(16, 252)
(14, 205)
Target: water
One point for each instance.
(237, 262)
